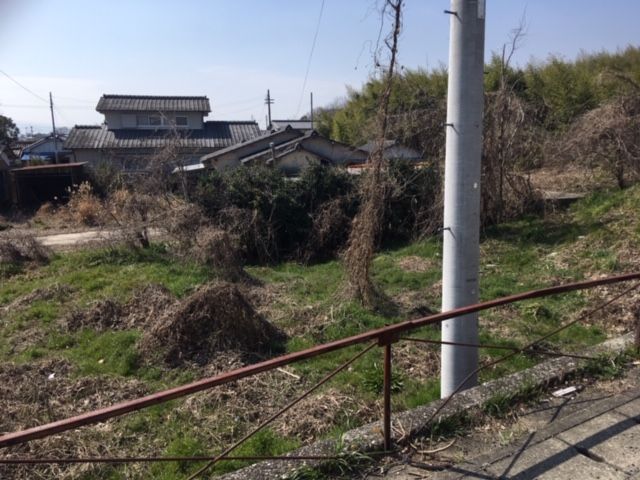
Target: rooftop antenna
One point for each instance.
(461, 229)
(269, 101)
(53, 124)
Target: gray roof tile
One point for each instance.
(214, 135)
(152, 103)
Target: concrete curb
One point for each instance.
(368, 438)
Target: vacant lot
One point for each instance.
(85, 330)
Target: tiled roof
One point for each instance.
(152, 103)
(256, 143)
(215, 134)
(297, 124)
(370, 146)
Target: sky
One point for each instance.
(234, 50)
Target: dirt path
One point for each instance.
(71, 240)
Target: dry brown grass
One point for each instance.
(22, 248)
(84, 207)
(37, 393)
(146, 305)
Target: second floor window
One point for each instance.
(182, 122)
(150, 120)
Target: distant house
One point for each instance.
(46, 148)
(394, 150)
(138, 127)
(297, 124)
(289, 150)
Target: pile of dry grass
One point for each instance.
(215, 318)
(145, 306)
(24, 248)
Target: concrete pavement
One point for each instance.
(590, 436)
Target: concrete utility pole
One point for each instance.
(53, 125)
(461, 248)
(311, 99)
(269, 101)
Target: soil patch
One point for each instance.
(217, 317)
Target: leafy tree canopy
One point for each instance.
(8, 130)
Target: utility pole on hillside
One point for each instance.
(268, 101)
(53, 125)
(461, 230)
(311, 99)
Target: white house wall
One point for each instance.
(118, 120)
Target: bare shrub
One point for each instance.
(217, 317)
(135, 213)
(329, 230)
(219, 249)
(511, 144)
(367, 223)
(23, 248)
(84, 207)
(255, 235)
(607, 136)
(209, 245)
(182, 223)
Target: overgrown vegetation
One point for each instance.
(83, 315)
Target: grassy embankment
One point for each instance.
(597, 236)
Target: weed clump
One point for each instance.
(19, 250)
(215, 318)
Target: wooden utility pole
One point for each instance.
(269, 101)
(53, 124)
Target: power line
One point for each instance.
(23, 87)
(22, 105)
(313, 47)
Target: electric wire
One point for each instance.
(23, 87)
(313, 47)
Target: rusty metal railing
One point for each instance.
(383, 337)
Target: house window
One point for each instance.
(155, 120)
(142, 120)
(182, 122)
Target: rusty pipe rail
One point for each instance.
(389, 333)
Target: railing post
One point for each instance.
(387, 397)
(386, 342)
(636, 339)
